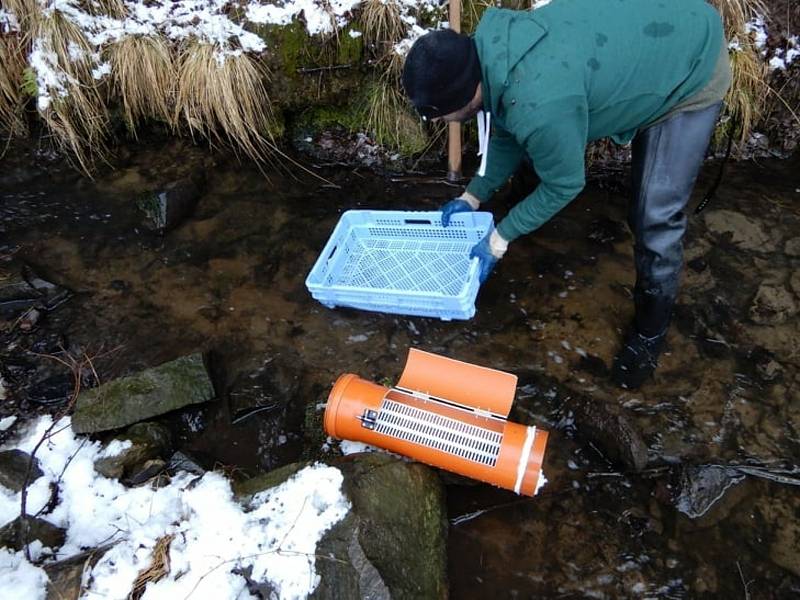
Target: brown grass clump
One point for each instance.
(111, 8)
(744, 103)
(78, 120)
(735, 13)
(26, 11)
(382, 22)
(158, 569)
(390, 120)
(144, 76)
(12, 59)
(224, 98)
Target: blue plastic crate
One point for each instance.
(401, 262)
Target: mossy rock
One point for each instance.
(147, 394)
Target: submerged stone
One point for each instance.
(147, 394)
(702, 487)
(169, 207)
(773, 305)
(14, 467)
(745, 233)
(24, 290)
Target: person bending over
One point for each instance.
(544, 83)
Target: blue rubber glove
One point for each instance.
(454, 206)
(483, 252)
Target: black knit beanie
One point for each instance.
(441, 73)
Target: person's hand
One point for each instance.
(465, 203)
(488, 251)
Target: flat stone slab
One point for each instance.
(147, 394)
(13, 468)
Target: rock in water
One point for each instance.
(745, 233)
(392, 544)
(14, 466)
(167, 208)
(702, 487)
(613, 432)
(138, 397)
(773, 305)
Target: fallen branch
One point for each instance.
(305, 70)
(76, 367)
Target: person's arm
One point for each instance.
(557, 146)
(505, 155)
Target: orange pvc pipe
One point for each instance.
(516, 465)
(460, 382)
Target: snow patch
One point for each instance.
(349, 447)
(20, 579)
(8, 22)
(115, 448)
(320, 17)
(758, 29)
(214, 540)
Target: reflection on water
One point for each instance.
(229, 280)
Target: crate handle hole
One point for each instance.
(330, 256)
(418, 222)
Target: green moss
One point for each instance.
(29, 85)
(319, 118)
(349, 49)
(294, 41)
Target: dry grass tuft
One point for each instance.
(144, 76)
(12, 57)
(112, 8)
(382, 22)
(735, 13)
(390, 120)
(79, 118)
(745, 101)
(473, 11)
(158, 569)
(27, 12)
(224, 98)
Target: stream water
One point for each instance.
(230, 281)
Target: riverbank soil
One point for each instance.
(228, 280)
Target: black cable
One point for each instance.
(713, 189)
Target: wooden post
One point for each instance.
(454, 129)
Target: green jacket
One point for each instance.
(573, 71)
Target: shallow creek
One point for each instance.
(230, 281)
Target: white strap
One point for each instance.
(484, 132)
(524, 457)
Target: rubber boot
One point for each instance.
(666, 160)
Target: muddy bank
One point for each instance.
(229, 281)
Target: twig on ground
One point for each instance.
(76, 366)
(746, 584)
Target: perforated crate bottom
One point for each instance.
(406, 265)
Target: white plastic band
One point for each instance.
(484, 132)
(524, 457)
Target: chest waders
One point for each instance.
(665, 163)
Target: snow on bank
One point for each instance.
(8, 22)
(782, 57)
(320, 17)
(214, 537)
